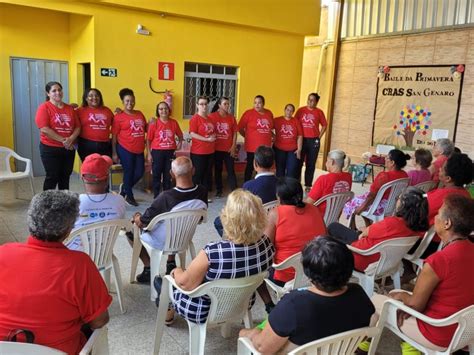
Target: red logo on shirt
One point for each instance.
(222, 127)
(97, 119)
(308, 120)
(263, 123)
(287, 129)
(136, 125)
(208, 128)
(166, 136)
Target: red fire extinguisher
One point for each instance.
(168, 98)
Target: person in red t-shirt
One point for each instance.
(442, 149)
(314, 125)
(410, 219)
(128, 144)
(226, 138)
(46, 288)
(334, 182)
(59, 128)
(96, 125)
(288, 143)
(203, 134)
(161, 145)
(256, 126)
(445, 284)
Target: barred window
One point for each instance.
(208, 80)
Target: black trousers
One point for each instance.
(221, 158)
(249, 167)
(58, 163)
(87, 147)
(203, 169)
(309, 154)
(161, 169)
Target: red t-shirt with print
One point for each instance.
(225, 128)
(386, 176)
(388, 228)
(330, 184)
(204, 127)
(61, 120)
(258, 129)
(438, 164)
(96, 123)
(286, 133)
(130, 130)
(161, 135)
(310, 120)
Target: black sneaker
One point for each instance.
(131, 201)
(269, 307)
(157, 284)
(170, 265)
(144, 277)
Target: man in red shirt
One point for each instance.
(46, 288)
(311, 119)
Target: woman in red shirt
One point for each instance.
(203, 134)
(161, 145)
(446, 283)
(441, 151)
(290, 226)
(226, 138)
(59, 128)
(128, 144)
(96, 125)
(256, 126)
(288, 143)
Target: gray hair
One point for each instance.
(445, 146)
(338, 156)
(181, 166)
(52, 214)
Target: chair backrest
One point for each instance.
(294, 262)
(464, 334)
(424, 243)
(338, 344)
(14, 348)
(230, 298)
(180, 227)
(5, 155)
(383, 149)
(98, 239)
(396, 188)
(270, 205)
(426, 185)
(334, 204)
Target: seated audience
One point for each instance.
(46, 288)
(410, 219)
(185, 195)
(445, 284)
(246, 252)
(264, 183)
(335, 181)
(290, 226)
(441, 151)
(330, 306)
(395, 161)
(421, 173)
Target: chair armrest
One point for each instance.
(370, 251)
(197, 292)
(25, 160)
(245, 347)
(94, 342)
(287, 263)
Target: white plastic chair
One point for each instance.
(426, 186)
(345, 343)
(270, 205)
(396, 187)
(300, 279)
(229, 302)
(180, 227)
(463, 336)
(6, 172)
(391, 253)
(415, 258)
(97, 344)
(98, 241)
(334, 204)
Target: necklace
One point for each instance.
(92, 200)
(452, 241)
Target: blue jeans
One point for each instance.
(133, 168)
(286, 163)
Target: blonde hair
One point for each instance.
(243, 217)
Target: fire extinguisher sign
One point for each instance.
(165, 71)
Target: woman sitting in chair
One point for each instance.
(247, 252)
(330, 306)
(395, 161)
(410, 219)
(443, 287)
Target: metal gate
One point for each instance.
(29, 77)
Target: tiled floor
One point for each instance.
(133, 332)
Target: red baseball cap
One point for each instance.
(96, 167)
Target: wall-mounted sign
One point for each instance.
(112, 72)
(165, 71)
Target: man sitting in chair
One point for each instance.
(186, 195)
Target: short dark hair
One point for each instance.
(399, 158)
(290, 192)
(264, 157)
(328, 263)
(261, 98)
(49, 85)
(157, 108)
(316, 96)
(459, 168)
(126, 92)
(218, 102)
(423, 157)
(86, 93)
(202, 97)
(286, 106)
(460, 209)
(414, 209)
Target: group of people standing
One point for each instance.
(93, 128)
